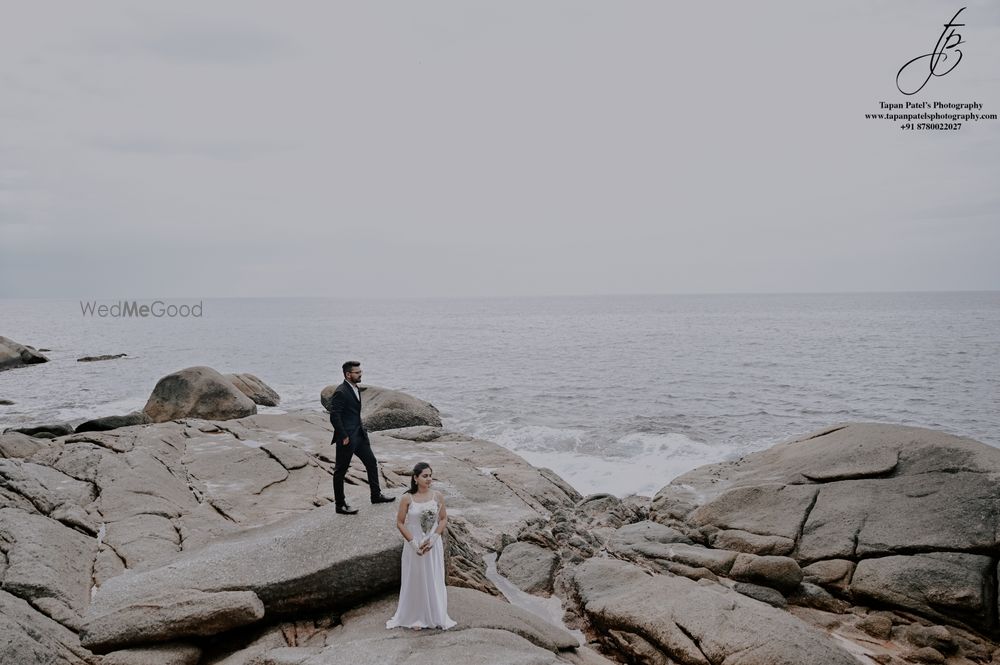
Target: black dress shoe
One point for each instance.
(347, 510)
(382, 498)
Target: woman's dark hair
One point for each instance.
(417, 470)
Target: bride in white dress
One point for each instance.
(423, 601)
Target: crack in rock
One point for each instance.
(805, 518)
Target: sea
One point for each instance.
(617, 394)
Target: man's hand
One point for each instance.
(346, 441)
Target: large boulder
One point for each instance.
(941, 585)
(385, 409)
(174, 613)
(665, 618)
(14, 355)
(255, 389)
(19, 445)
(197, 392)
(905, 505)
(319, 560)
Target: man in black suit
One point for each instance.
(350, 438)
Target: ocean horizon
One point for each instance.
(616, 393)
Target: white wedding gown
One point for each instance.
(423, 601)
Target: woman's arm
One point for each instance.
(404, 506)
(442, 515)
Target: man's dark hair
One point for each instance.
(349, 365)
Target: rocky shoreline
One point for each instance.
(191, 539)
(14, 354)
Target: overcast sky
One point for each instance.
(197, 149)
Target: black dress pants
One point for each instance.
(361, 447)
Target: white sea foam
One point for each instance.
(533, 438)
(591, 475)
(77, 413)
(637, 463)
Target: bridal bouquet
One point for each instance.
(428, 518)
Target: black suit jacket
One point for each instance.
(345, 415)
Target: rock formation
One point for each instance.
(883, 514)
(90, 359)
(113, 422)
(14, 355)
(197, 392)
(214, 542)
(149, 541)
(46, 431)
(258, 391)
(384, 409)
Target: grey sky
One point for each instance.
(469, 148)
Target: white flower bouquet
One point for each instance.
(428, 518)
